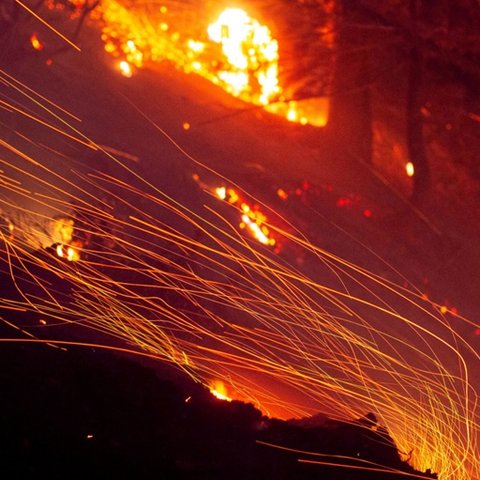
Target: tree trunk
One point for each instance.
(414, 119)
(350, 120)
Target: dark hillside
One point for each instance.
(88, 414)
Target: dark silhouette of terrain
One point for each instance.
(83, 413)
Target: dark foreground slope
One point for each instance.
(88, 414)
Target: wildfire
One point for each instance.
(295, 341)
(235, 52)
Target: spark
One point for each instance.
(312, 337)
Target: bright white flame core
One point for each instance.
(251, 53)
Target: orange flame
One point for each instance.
(252, 218)
(218, 390)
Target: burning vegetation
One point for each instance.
(230, 48)
(30, 231)
(252, 219)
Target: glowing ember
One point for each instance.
(282, 194)
(221, 193)
(133, 54)
(313, 111)
(43, 233)
(410, 169)
(36, 43)
(125, 69)
(62, 232)
(254, 221)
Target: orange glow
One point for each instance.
(282, 194)
(297, 339)
(133, 54)
(314, 111)
(62, 234)
(221, 193)
(196, 46)
(254, 220)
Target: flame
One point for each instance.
(218, 390)
(62, 234)
(68, 252)
(251, 217)
(251, 56)
(235, 52)
(62, 230)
